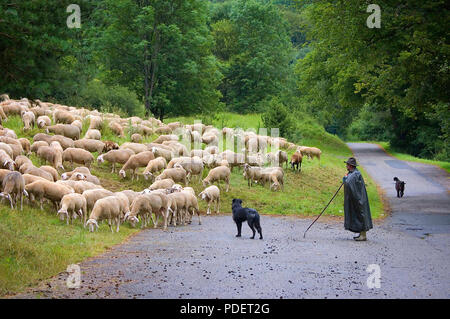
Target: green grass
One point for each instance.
(35, 245)
(407, 157)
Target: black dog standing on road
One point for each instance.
(242, 214)
(399, 187)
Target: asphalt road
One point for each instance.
(411, 248)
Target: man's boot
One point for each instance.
(361, 237)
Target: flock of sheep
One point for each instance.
(180, 154)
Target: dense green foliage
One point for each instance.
(392, 81)
(185, 57)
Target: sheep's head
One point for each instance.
(80, 176)
(9, 164)
(177, 187)
(100, 159)
(64, 176)
(63, 214)
(132, 219)
(122, 173)
(92, 223)
(148, 175)
(205, 182)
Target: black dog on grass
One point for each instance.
(242, 214)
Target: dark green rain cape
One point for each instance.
(356, 204)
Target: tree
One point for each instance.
(401, 68)
(254, 48)
(161, 50)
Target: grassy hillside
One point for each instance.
(35, 245)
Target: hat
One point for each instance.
(351, 161)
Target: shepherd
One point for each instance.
(356, 204)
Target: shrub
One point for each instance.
(278, 116)
(115, 99)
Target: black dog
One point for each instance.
(242, 214)
(399, 187)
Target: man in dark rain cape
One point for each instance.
(356, 203)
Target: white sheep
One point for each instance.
(211, 194)
(71, 206)
(108, 208)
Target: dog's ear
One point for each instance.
(240, 201)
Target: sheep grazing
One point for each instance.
(54, 192)
(65, 142)
(136, 147)
(96, 122)
(158, 151)
(146, 205)
(71, 206)
(108, 208)
(163, 138)
(252, 174)
(154, 166)
(6, 161)
(178, 175)
(28, 178)
(117, 129)
(93, 134)
(120, 156)
(163, 130)
(42, 137)
(85, 177)
(177, 160)
(194, 166)
(36, 145)
(310, 152)
(93, 195)
(274, 175)
(210, 195)
(109, 146)
(21, 159)
(136, 161)
(90, 145)
(78, 124)
(61, 116)
(28, 119)
(218, 174)
(162, 184)
(26, 146)
(51, 155)
(77, 155)
(7, 148)
(136, 138)
(131, 195)
(67, 130)
(296, 160)
(191, 205)
(51, 171)
(79, 186)
(13, 188)
(80, 169)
